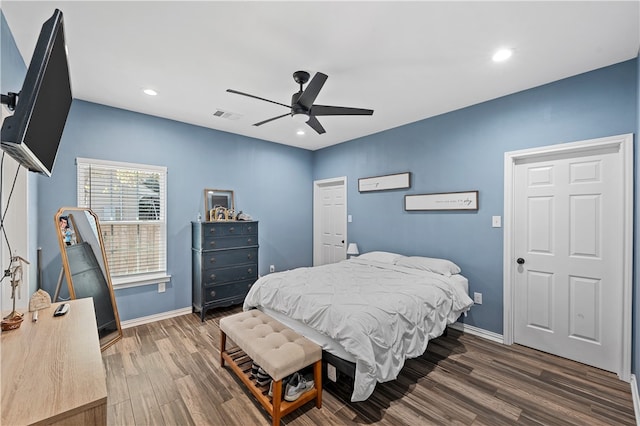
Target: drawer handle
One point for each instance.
(249, 256)
(212, 260)
(249, 286)
(213, 293)
(249, 240)
(249, 270)
(212, 243)
(212, 277)
(232, 229)
(212, 230)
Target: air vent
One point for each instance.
(226, 114)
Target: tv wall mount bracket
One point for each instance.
(9, 100)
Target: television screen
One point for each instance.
(32, 134)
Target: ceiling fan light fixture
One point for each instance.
(300, 117)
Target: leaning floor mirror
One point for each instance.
(86, 269)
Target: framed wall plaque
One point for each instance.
(383, 183)
(442, 201)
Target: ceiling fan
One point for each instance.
(302, 106)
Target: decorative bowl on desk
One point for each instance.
(11, 323)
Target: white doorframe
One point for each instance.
(317, 184)
(624, 143)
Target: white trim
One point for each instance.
(625, 145)
(128, 281)
(636, 398)
(485, 334)
(342, 180)
(120, 164)
(155, 317)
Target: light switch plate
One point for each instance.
(496, 221)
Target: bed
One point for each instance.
(375, 310)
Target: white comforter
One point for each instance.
(381, 314)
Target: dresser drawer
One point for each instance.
(214, 259)
(230, 242)
(222, 229)
(220, 293)
(203, 233)
(233, 273)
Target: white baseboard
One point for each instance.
(636, 398)
(489, 335)
(155, 317)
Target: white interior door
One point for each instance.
(330, 221)
(570, 258)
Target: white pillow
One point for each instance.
(439, 266)
(381, 256)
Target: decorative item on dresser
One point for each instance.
(224, 263)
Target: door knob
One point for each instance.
(520, 261)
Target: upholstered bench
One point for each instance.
(279, 350)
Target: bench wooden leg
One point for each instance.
(317, 378)
(276, 402)
(223, 344)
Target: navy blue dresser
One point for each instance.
(224, 263)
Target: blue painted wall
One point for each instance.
(269, 181)
(464, 150)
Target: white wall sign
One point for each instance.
(382, 183)
(442, 201)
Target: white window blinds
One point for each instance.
(130, 201)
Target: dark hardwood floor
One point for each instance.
(167, 373)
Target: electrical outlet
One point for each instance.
(477, 298)
(162, 287)
(272, 268)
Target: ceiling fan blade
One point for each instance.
(257, 97)
(336, 110)
(315, 125)
(271, 119)
(311, 92)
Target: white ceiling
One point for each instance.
(405, 60)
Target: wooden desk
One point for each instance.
(52, 371)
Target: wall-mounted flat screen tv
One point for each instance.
(32, 134)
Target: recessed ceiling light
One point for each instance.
(150, 92)
(300, 132)
(502, 55)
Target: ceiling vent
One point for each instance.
(226, 114)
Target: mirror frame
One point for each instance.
(113, 337)
(209, 205)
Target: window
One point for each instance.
(130, 200)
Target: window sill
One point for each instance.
(139, 280)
